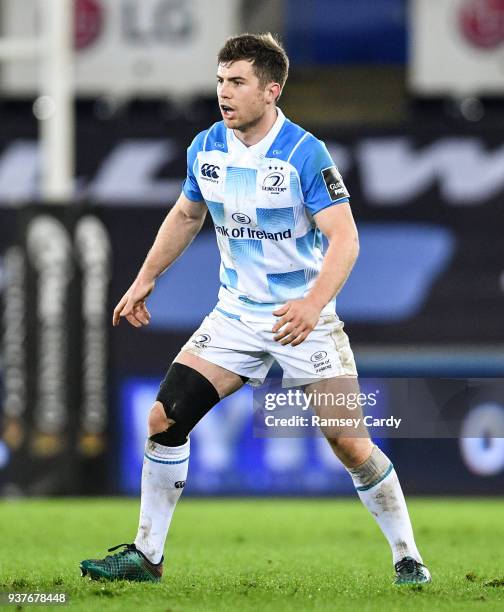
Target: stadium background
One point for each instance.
(408, 97)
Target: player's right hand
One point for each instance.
(132, 304)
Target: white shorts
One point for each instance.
(248, 349)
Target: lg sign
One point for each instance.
(482, 22)
(161, 20)
(88, 22)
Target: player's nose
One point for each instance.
(224, 91)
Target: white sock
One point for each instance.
(380, 491)
(163, 478)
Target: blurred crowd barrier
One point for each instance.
(75, 393)
(56, 401)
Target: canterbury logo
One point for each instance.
(210, 171)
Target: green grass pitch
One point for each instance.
(280, 554)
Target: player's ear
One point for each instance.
(273, 91)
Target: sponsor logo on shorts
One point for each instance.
(180, 484)
(202, 340)
(241, 218)
(318, 356)
(320, 361)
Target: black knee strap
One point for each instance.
(186, 396)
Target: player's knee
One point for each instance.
(184, 397)
(351, 450)
(158, 421)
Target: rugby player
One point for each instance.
(272, 190)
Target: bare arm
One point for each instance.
(299, 317)
(176, 233)
(337, 224)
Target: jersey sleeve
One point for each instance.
(321, 182)
(190, 187)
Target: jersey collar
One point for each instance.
(263, 146)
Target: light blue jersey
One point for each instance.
(263, 199)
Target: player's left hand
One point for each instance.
(298, 318)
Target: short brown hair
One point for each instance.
(267, 55)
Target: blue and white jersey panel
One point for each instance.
(262, 200)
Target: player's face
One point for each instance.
(243, 101)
